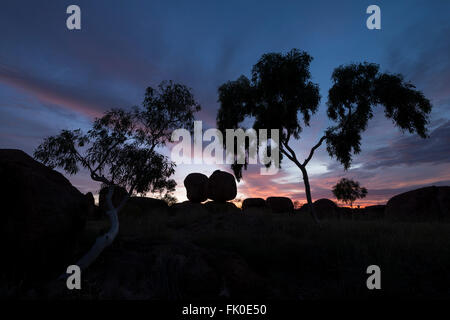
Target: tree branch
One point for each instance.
(311, 153)
(287, 155)
(98, 178)
(289, 149)
(106, 155)
(82, 160)
(293, 159)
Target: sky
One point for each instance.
(52, 78)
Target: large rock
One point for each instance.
(139, 206)
(324, 209)
(280, 204)
(253, 203)
(94, 213)
(221, 186)
(374, 212)
(424, 204)
(221, 207)
(188, 208)
(118, 195)
(147, 203)
(39, 231)
(90, 198)
(196, 185)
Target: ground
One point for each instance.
(262, 255)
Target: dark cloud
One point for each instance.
(412, 150)
(428, 65)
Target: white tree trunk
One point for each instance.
(104, 240)
(101, 242)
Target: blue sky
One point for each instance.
(52, 78)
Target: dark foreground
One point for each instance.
(261, 256)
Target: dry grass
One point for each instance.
(307, 261)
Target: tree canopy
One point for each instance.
(359, 88)
(348, 190)
(281, 95)
(121, 150)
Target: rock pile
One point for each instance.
(220, 187)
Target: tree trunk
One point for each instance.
(302, 166)
(311, 209)
(107, 239)
(101, 242)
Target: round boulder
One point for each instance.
(324, 209)
(253, 203)
(196, 185)
(280, 204)
(221, 186)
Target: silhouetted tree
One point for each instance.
(119, 150)
(280, 95)
(348, 190)
(169, 199)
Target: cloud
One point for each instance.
(427, 65)
(85, 102)
(412, 150)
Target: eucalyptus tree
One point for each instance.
(348, 190)
(121, 149)
(280, 95)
